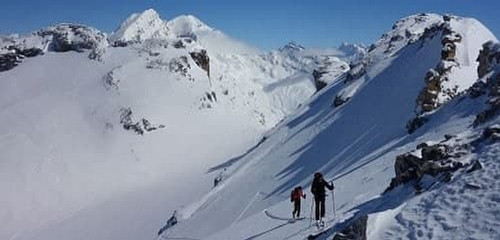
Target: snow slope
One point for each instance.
(354, 144)
(98, 136)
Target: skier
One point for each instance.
(318, 190)
(295, 197)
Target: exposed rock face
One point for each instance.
(435, 92)
(339, 100)
(9, 61)
(428, 99)
(355, 230)
(74, 37)
(318, 83)
(329, 69)
(475, 166)
(15, 57)
(489, 59)
(26, 52)
(356, 71)
(415, 123)
(139, 127)
(202, 60)
(436, 159)
(111, 80)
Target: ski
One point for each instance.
(272, 216)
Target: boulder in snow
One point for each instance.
(354, 231)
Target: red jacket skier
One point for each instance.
(295, 197)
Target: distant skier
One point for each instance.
(295, 197)
(318, 190)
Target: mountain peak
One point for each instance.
(187, 25)
(292, 46)
(139, 27)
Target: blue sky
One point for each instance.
(263, 23)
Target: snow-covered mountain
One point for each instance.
(361, 142)
(105, 135)
(94, 120)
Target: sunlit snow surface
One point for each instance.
(69, 170)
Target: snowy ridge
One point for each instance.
(170, 99)
(355, 145)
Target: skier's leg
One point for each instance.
(298, 208)
(316, 202)
(294, 209)
(323, 208)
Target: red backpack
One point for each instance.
(296, 194)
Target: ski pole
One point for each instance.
(311, 212)
(333, 200)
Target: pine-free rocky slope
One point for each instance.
(149, 103)
(96, 125)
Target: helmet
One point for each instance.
(317, 175)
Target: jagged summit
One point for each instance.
(139, 27)
(292, 46)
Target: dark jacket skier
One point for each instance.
(318, 190)
(295, 197)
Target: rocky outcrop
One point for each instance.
(428, 99)
(488, 57)
(354, 231)
(111, 80)
(75, 37)
(339, 100)
(9, 61)
(15, 56)
(202, 60)
(328, 70)
(356, 71)
(318, 82)
(434, 94)
(140, 127)
(415, 123)
(489, 60)
(434, 160)
(209, 100)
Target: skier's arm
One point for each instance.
(329, 186)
